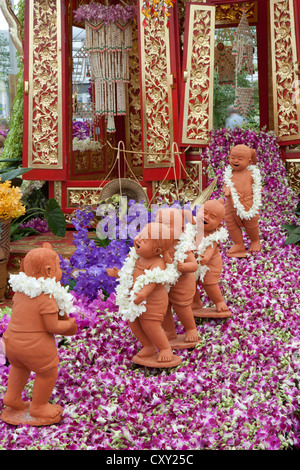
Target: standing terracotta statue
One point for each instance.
(29, 339)
(242, 188)
(142, 296)
(181, 293)
(210, 233)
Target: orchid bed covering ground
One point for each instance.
(238, 389)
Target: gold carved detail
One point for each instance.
(231, 13)
(156, 92)
(293, 174)
(198, 102)
(168, 191)
(293, 148)
(135, 160)
(45, 87)
(83, 196)
(285, 80)
(58, 192)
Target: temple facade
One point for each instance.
(165, 110)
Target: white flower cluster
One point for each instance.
(28, 187)
(186, 242)
(219, 236)
(256, 188)
(86, 144)
(34, 287)
(126, 291)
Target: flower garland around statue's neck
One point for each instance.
(256, 189)
(33, 287)
(126, 290)
(219, 236)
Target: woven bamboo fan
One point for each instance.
(205, 195)
(124, 187)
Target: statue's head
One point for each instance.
(42, 262)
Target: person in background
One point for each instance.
(234, 119)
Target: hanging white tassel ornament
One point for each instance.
(108, 41)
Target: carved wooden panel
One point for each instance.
(187, 190)
(198, 74)
(45, 85)
(155, 70)
(284, 70)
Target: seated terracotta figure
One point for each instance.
(210, 233)
(30, 344)
(242, 188)
(149, 247)
(181, 293)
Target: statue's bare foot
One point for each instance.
(147, 351)
(165, 355)
(191, 335)
(255, 246)
(236, 249)
(171, 335)
(221, 307)
(16, 404)
(47, 411)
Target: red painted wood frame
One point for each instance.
(47, 174)
(178, 171)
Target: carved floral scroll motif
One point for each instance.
(135, 160)
(187, 190)
(156, 92)
(45, 95)
(293, 174)
(285, 79)
(198, 76)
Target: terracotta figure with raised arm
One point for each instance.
(29, 339)
(142, 296)
(210, 233)
(242, 189)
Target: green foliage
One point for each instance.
(55, 218)
(4, 58)
(13, 145)
(51, 212)
(12, 174)
(293, 230)
(17, 233)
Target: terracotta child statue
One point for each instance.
(142, 296)
(210, 233)
(183, 262)
(242, 188)
(29, 339)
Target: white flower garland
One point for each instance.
(219, 236)
(186, 242)
(126, 291)
(34, 287)
(86, 144)
(256, 188)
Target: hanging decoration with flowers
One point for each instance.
(155, 8)
(243, 52)
(108, 42)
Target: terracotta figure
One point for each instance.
(29, 339)
(181, 293)
(242, 188)
(143, 298)
(210, 233)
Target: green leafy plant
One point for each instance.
(53, 215)
(293, 230)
